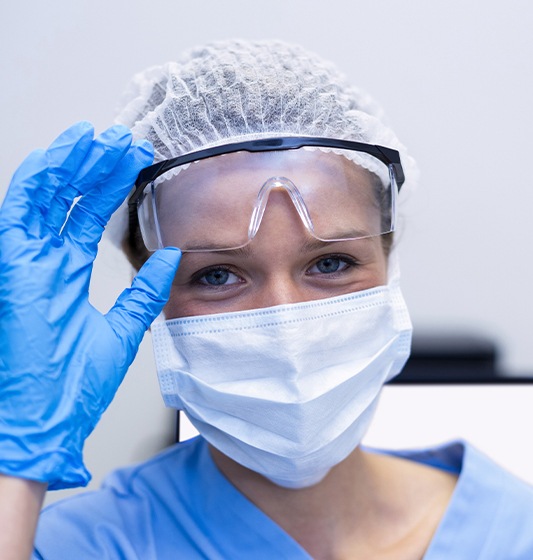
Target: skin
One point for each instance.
(19, 511)
(368, 506)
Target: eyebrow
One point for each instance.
(309, 245)
(217, 249)
(313, 244)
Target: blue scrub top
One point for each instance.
(178, 505)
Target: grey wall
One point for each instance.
(455, 78)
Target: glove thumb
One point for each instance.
(140, 304)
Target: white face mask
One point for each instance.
(287, 391)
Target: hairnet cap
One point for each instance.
(235, 90)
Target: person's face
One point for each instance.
(283, 263)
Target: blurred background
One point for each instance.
(456, 81)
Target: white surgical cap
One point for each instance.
(236, 90)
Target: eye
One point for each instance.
(331, 264)
(218, 276)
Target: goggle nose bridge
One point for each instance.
(262, 200)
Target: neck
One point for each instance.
(367, 506)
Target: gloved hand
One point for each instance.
(61, 361)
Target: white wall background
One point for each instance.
(455, 78)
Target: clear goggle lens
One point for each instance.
(218, 203)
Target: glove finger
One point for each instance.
(90, 215)
(65, 155)
(105, 152)
(41, 174)
(19, 208)
(138, 306)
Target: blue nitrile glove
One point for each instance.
(61, 361)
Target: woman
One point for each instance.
(278, 183)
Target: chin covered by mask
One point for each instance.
(286, 391)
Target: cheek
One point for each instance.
(376, 267)
(377, 276)
(178, 306)
(377, 273)
(183, 303)
(384, 272)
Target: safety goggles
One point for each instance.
(215, 199)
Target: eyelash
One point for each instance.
(349, 261)
(201, 274)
